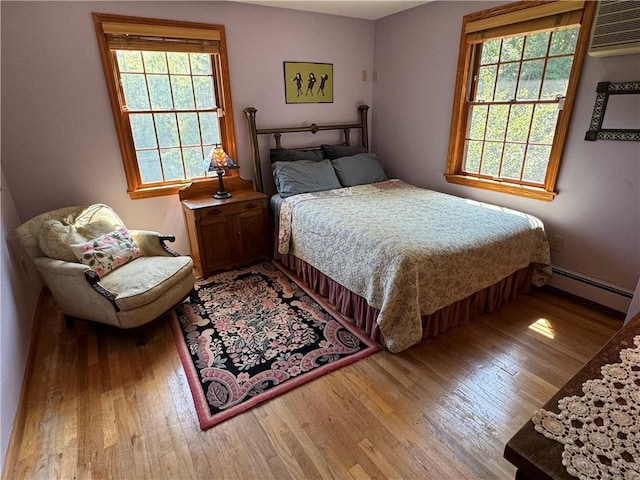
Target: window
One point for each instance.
(518, 71)
(169, 88)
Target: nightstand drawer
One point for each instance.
(230, 209)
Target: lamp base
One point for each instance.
(221, 193)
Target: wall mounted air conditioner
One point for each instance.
(616, 28)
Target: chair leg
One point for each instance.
(69, 321)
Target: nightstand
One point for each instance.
(227, 233)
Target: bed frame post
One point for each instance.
(364, 131)
(250, 113)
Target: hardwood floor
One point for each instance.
(99, 406)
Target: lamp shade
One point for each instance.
(220, 156)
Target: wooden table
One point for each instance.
(538, 457)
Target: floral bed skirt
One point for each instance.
(364, 316)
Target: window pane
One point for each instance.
(556, 78)
(167, 128)
(172, 164)
(536, 163)
(497, 122)
(507, 80)
(512, 160)
(530, 80)
(200, 64)
(563, 42)
(512, 49)
(193, 160)
(178, 63)
(478, 121)
(160, 92)
(129, 61)
(182, 92)
(149, 166)
(135, 91)
(189, 128)
(210, 129)
(543, 127)
(144, 135)
(536, 45)
(490, 52)
(204, 92)
(472, 161)
(155, 62)
(486, 83)
(519, 122)
(491, 158)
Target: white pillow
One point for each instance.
(55, 238)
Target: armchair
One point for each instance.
(98, 270)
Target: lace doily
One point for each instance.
(601, 429)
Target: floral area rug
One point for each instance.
(254, 333)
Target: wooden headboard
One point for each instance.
(250, 113)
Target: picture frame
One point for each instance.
(603, 91)
(308, 82)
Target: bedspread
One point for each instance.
(410, 251)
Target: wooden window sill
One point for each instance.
(504, 187)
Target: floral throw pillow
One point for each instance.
(107, 252)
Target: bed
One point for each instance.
(404, 263)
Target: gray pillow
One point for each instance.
(292, 155)
(336, 151)
(359, 169)
(304, 176)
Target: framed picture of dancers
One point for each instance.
(306, 82)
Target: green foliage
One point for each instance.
(478, 121)
(172, 164)
(512, 160)
(474, 153)
(155, 62)
(167, 127)
(536, 163)
(491, 158)
(143, 131)
(517, 69)
(536, 45)
(519, 121)
(160, 92)
(497, 122)
(511, 49)
(170, 144)
(129, 61)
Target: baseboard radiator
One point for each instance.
(606, 294)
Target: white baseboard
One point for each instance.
(598, 291)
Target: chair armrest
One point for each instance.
(152, 243)
(94, 280)
(58, 274)
(60, 268)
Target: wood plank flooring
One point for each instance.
(99, 406)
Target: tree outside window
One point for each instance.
(168, 84)
(514, 92)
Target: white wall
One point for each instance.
(597, 209)
(59, 145)
(19, 288)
